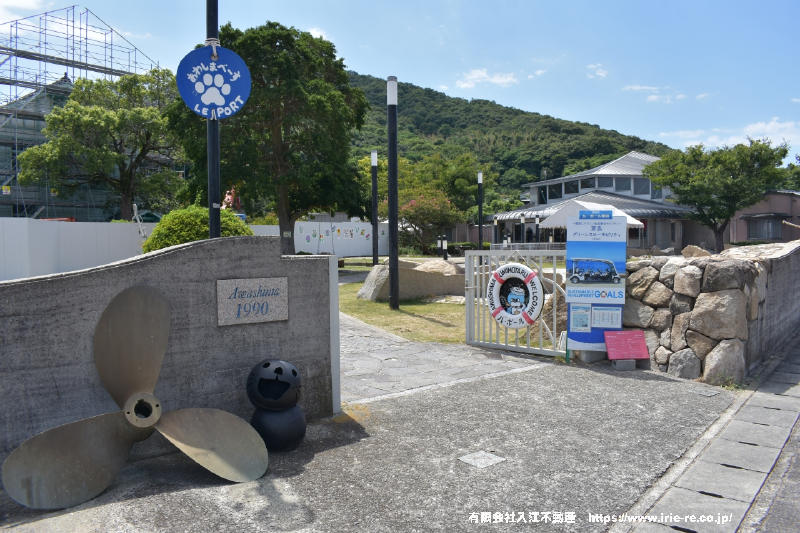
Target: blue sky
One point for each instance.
(680, 72)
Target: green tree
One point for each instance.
(110, 133)
(290, 143)
(717, 183)
(191, 224)
(426, 215)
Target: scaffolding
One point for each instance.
(40, 58)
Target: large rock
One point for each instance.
(651, 339)
(720, 315)
(680, 323)
(638, 264)
(727, 274)
(687, 280)
(680, 303)
(665, 339)
(725, 363)
(659, 262)
(412, 283)
(638, 282)
(658, 295)
(694, 251)
(662, 319)
(699, 343)
(440, 266)
(635, 314)
(667, 273)
(662, 355)
(684, 364)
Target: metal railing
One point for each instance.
(544, 336)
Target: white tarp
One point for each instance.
(570, 208)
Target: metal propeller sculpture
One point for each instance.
(70, 464)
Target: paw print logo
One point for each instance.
(212, 89)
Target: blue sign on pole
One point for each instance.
(213, 88)
(595, 215)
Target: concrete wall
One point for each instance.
(30, 247)
(47, 372)
(779, 297)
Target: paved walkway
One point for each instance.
(376, 364)
(731, 472)
(446, 437)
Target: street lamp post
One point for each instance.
(374, 161)
(537, 228)
(480, 210)
(444, 247)
(394, 270)
(495, 234)
(524, 238)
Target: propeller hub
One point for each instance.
(142, 410)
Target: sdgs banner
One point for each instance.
(595, 284)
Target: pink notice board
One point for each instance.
(627, 344)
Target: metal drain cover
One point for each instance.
(481, 459)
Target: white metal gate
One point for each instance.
(544, 336)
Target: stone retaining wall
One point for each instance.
(715, 316)
(47, 372)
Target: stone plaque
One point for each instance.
(245, 301)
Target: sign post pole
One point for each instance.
(212, 133)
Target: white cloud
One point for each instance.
(536, 74)
(11, 9)
(644, 88)
(796, 100)
(680, 96)
(481, 75)
(596, 70)
(443, 87)
(317, 32)
(660, 98)
(702, 96)
(775, 130)
(131, 35)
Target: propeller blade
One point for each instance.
(69, 464)
(130, 341)
(219, 441)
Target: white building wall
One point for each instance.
(30, 247)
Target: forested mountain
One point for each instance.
(518, 146)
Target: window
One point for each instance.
(554, 191)
(655, 192)
(542, 194)
(605, 182)
(763, 229)
(571, 187)
(587, 183)
(622, 184)
(641, 186)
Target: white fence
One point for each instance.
(543, 336)
(30, 247)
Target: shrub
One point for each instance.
(191, 224)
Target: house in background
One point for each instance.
(764, 220)
(620, 183)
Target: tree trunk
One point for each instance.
(125, 206)
(719, 237)
(285, 221)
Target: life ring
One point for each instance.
(514, 295)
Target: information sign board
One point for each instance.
(626, 344)
(595, 272)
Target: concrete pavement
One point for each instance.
(452, 438)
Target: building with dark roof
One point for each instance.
(620, 183)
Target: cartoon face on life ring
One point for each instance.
(514, 295)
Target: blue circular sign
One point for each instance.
(213, 88)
